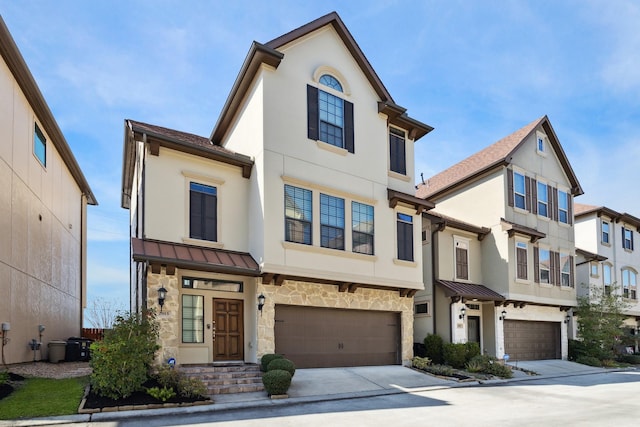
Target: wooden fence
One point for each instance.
(93, 333)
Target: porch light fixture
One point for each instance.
(504, 315)
(261, 299)
(567, 318)
(162, 294)
(463, 311)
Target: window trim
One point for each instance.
(353, 230)
(400, 158)
(427, 305)
(313, 116)
(526, 260)
(565, 273)
(324, 225)
(403, 218)
(543, 203)
(548, 269)
(303, 221)
(37, 135)
(606, 233)
(457, 243)
(541, 139)
(516, 193)
(194, 319)
(561, 210)
(216, 240)
(627, 243)
(631, 284)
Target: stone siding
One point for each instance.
(168, 319)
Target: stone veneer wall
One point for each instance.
(167, 319)
(315, 295)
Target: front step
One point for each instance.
(227, 378)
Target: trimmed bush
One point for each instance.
(633, 359)
(164, 393)
(498, 370)
(433, 348)
(266, 359)
(420, 362)
(577, 349)
(192, 387)
(472, 349)
(454, 355)
(276, 381)
(589, 360)
(284, 364)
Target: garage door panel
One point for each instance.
(324, 337)
(528, 340)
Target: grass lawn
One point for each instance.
(41, 397)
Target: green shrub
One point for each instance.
(121, 362)
(633, 359)
(454, 355)
(442, 370)
(276, 381)
(498, 369)
(163, 393)
(167, 376)
(477, 364)
(192, 387)
(433, 348)
(4, 376)
(608, 363)
(284, 364)
(472, 349)
(420, 362)
(577, 349)
(589, 360)
(266, 359)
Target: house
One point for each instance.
(608, 259)
(293, 228)
(514, 285)
(43, 217)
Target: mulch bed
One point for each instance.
(93, 401)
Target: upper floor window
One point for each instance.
(362, 228)
(629, 283)
(540, 144)
(405, 236)
(331, 222)
(605, 232)
(521, 261)
(329, 117)
(519, 191)
(566, 267)
(545, 265)
(397, 153)
(39, 145)
(543, 200)
(563, 207)
(203, 212)
(298, 209)
(627, 238)
(462, 259)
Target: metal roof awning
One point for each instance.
(468, 291)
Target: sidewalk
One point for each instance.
(316, 385)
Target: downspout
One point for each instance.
(83, 258)
(434, 266)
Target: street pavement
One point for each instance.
(332, 384)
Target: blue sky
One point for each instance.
(475, 70)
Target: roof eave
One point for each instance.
(576, 188)
(469, 178)
(397, 116)
(128, 165)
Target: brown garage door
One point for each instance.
(532, 340)
(326, 337)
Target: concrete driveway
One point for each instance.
(555, 368)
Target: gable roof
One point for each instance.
(185, 142)
(268, 54)
(581, 210)
(496, 155)
(18, 67)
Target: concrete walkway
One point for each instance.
(555, 368)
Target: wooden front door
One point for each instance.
(473, 329)
(228, 331)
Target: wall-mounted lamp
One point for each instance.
(463, 311)
(261, 299)
(162, 295)
(567, 318)
(504, 315)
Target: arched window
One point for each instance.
(606, 277)
(331, 82)
(629, 281)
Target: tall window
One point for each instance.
(193, 318)
(543, 200)
(606, 278)
(330, 118)
(40, 145)
(521, 261)
(540, 144)
(405, 236)
(297, 212)
(627, 238)
(397, 153)
(203, 212)
(519, 191)
(563, 207)
(362, 228)
(331, 222)
(462, 259)
(545, 265)
(605, 232)
(629, 283)
(565, 269)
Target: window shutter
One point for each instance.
(552, 268)
(312, 113)
(536, 265)
(348, 126)
(631, 239)
(569, 209)
(624, 244)
(527, 187)
(571, 272)
(510, 196)
(534, 196)
(556, 205)
(551, 205)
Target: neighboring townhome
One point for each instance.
(43, 217)
(294, 227)
(608, 257)
(522, 189)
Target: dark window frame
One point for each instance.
(362, 237)
(404, 228)
(203, 212)
(332, 222)
(300, 207)
(397, 151)
(39, 145)
(313, 118)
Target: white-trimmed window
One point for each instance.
(594, 269)
(627, 238)
(543, 199)
(606, 278)
(192, 318)
(629, 283)
(544, 260)
(461, 247)
(565, 269)
(541, 143)
(519, 191)
(421, 308)
(521, 261)
(563, 207)
(362, 228)
(329, 117)
(605, 231)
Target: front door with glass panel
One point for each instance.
(227, 330)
